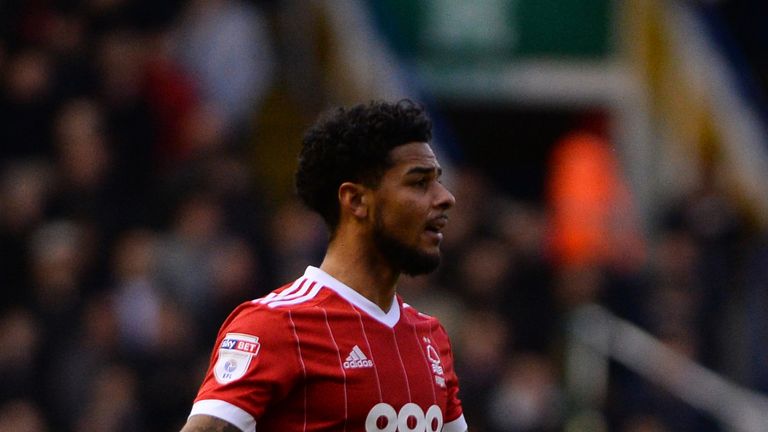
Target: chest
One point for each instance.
(357, 372)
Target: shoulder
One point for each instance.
(417, 317)
(264, 328)
(297, 294)
(302, 293)
(277, 306)
(258, 310)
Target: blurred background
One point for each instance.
(605, 268)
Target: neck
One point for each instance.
(362, 270)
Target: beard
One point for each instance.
(406, 259)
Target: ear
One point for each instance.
(353, 199)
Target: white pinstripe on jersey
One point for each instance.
(341, 366)
(368, 343)
(306, 293)
(296, 286)
(405, 373)
(303, 366)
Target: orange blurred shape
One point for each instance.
(592, 217)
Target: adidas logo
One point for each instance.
(357, 359)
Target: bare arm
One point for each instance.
(206, 423)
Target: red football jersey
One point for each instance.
(316, 355)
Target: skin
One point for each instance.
(408, 200)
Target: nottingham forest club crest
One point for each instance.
(435, 364)
(235, 354)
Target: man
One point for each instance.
(338, 350)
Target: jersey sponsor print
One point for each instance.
(235, 354)
(384, 418)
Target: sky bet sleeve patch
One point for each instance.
(236, 352)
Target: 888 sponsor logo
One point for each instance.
(411, 418)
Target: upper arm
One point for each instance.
(206, 423)
(253, 364)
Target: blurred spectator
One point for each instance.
(427, 295)
(710, 220)
(184, 254)
(111, 402)
(675, 301)
(25, 104)
(22, 415)
(73, 362)
(528, 398)
(121, 65)
(137, 299)
(24, 190)
(484, 272)
(227, 47)
(24, 193)
(471, 188)
(298, 238)
(170, 373)
(591, 209)
(82, 144)
(596, 242)
(84, 164)
(481, 349)
(235, 277)
(470, 218)
(529, 300)
(20, 346)
(576, 286)
(687, 307)
(175, 106)
(59, 254)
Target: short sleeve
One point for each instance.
(254, 362)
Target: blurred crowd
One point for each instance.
(132, 221)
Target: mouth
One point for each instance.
(435, 226)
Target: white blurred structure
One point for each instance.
(596, 336)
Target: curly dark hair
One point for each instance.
(353, 144)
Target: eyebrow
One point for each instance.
(424, 170)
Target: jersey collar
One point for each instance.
(389, 318)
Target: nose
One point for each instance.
(445, 199)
